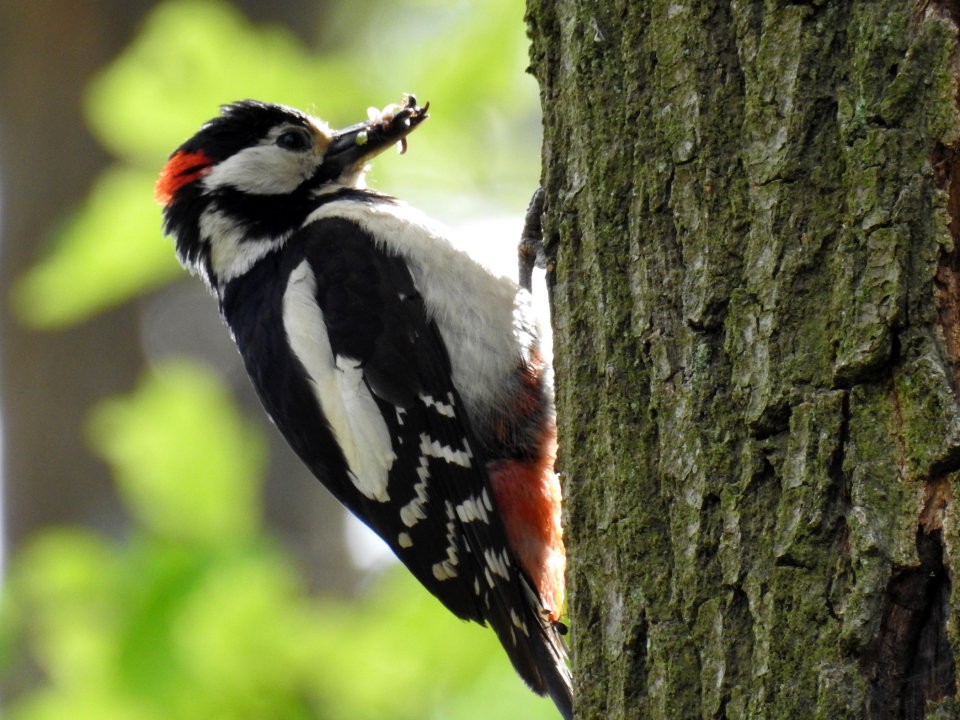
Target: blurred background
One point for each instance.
(166, 555)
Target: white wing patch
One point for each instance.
(496, 564)
(445, 568)
(445, 409)
(519, 623)
(412, 512)
(339, 388)
(433, 448)
(472, 509)
(443, 571)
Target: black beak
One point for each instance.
(353, 146)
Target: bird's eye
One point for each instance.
(296, 139)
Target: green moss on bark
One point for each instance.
(744, 225)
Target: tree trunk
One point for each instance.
(751, 218)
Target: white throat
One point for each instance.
(232, 252)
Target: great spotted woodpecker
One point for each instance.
(406, 376)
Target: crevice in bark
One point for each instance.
(738, 622)
(946, 164)
(636, 676)
(901, 457)
(774, 421)
(711, 532)
(715, 314)
(790, 562)
(950, 463)
(711, 529)
(911, 662)
(938, 494)
(838, 498)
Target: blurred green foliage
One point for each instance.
(466, 58)
(198, 613)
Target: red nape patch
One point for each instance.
(181, 169)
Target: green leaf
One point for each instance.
(67, 582)
(107, 252)
(185, 461)
(192, 56)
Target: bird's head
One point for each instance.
(249, 178)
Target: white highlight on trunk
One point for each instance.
(338, 386)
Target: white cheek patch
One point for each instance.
(338, 386)
(263, 170)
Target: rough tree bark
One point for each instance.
(752, 214)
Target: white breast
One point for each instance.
(486, 323)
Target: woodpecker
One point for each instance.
(405, 375)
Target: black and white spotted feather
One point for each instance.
(380, 352)
(435, 509)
